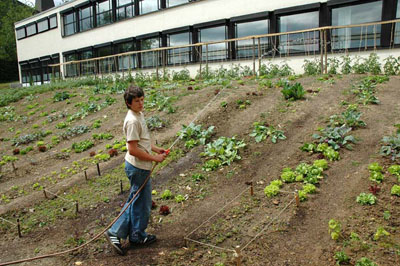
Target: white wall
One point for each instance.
(196, 12)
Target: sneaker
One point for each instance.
(146, 241)
(114, 242)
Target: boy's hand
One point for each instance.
(160, 157)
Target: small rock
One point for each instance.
(78, 263)
(276, 202)
(32, 210)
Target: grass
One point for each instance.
(6, 85)
(88, 194)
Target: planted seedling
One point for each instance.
(366, 199)
(335, 229)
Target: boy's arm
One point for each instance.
(134, 150)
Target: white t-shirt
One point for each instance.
(135, 128)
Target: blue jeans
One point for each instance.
(133, 222)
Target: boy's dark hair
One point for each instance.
(131, 93)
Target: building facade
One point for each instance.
(84, 29)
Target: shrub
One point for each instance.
(312, 67)
(293, 92)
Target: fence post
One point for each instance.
(238, 256)
(259, 56)
(207, 59)
(198, 49)
(326, 51)
(19, 228)
(321, 37)
(158, 55)
(98, 169)
(164, 61)
(254, 56)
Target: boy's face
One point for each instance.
(137, 104)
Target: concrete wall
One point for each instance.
(52, 42)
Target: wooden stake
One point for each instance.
(251, 189)
(238, 256)
(19, 228)
(85, 175)
(254, 57)
(122, 189)
(44, 192)
(326, 51)
(98, 169)
(76, 207)
(297, 199)
(321, 37)
(259, 56)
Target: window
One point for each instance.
(104, 13)
(216, 51)
(126, 61)
(35, 71)
(106, 65)
(125, 9)
(150, 59)
(43, 25)
(71, 70)
(55, 70)
(85, 18)
(300, 42)
(147, 6)
(25, 74)
(244, 48)
(87, 67)
(179, 55)
(171, 3)
(31, 29)
(69, 24)
(46, 70)
(21, 33)
(397, 26)
(53, 22)
(360, 36)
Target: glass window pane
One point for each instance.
(356, 14)
(301, 42)
(53, 22)
(69, 18)
(103, 6)
(150, 59)
(171, 3)
(69, 29)
(121, 13)
(85, 24)
(244, 48)
(147, 6)
(20, 33)
(129, 11)
(124, 2)
(150, 44)
(104, 18)
(43, 25)
(179, 55)
(397, 26)
(31, 29)
(215, 51)
(85, 12)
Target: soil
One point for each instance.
(272, 231)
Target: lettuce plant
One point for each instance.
(366, 199)
(395, 190)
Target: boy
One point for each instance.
(138, 163)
